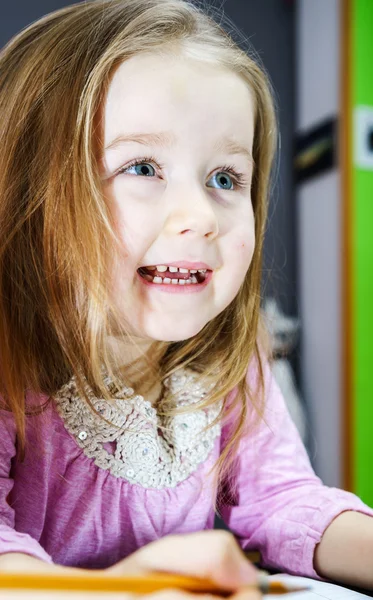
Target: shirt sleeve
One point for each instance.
(278, 505)
(10, 539)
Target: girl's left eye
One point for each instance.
(228, 179)
(221, 180)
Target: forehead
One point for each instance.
(183, 95)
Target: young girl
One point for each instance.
(137, 141)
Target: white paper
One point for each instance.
(319, 590)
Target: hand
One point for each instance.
(213, 555)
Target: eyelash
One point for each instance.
(140, 161)
(239, 179)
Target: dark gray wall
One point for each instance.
(269, 24)
(270, 27)
(17, 14)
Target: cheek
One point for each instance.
(130, 207)
(135, 227)
(243, 256)
(239, 243)
(244, 242)
(245, 251)
(128, 253)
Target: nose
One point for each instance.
(192, 213)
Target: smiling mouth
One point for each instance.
(173, 275)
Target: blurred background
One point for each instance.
(318, 284)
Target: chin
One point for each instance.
(175, 334)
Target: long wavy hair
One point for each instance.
(57, 234)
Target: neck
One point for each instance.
(125, 351)
(131, 360)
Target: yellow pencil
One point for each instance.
(137, 584)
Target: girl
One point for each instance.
(137, 141)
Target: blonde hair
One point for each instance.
(54, 261)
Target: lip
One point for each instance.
(184, 264)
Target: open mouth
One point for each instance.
(162, 274)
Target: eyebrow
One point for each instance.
(166, 139)
(230, 145)
(162, 139)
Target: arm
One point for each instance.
(15, 562)
(213, 555)
(280, 507)
(12, 541)
(345, 552)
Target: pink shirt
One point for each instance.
(61, 507)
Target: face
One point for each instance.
(177, 172)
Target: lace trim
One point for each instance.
(133, 442)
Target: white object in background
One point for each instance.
(283, 330)
(283, 333)
(283, 374)
(363, 137)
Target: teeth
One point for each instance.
(163, 268)
(167, 280)
(192, 279)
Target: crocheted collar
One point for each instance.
(129, 439)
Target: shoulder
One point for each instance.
(260, 387)
(260, 398)
(34, 405)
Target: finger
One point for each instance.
(172, 594)
(248, 594)
(178, 595)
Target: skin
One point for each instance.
(213, 555)
(181, 211)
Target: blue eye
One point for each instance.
(144, 169)
(223, 181)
